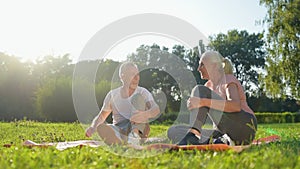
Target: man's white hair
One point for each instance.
(124, 66)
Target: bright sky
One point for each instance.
(34, 28)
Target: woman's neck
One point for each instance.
(217, 79)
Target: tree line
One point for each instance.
(267, 64)
(42, 90)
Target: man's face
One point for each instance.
(131, 77)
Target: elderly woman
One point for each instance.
(223, 100)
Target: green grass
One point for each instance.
(284, 154)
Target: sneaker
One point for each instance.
(225, 139)
(190, 139)
(133, 138)
(108, 134)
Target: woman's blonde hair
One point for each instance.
(216, 57)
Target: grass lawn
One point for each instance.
(284, 154)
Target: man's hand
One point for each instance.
(89, 132)
(139, 117)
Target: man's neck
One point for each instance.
(126, 91)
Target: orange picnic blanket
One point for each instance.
(157, 146)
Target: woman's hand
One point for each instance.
(194, 102)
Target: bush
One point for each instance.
(262, 117)
(286, 117)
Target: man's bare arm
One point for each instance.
(99, 119)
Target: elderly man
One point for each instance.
(132, 107)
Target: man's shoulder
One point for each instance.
(141, 89)
(114, 91)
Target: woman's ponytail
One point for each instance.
(227, 66)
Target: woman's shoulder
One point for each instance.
(231, 78)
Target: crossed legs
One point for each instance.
(239, 126)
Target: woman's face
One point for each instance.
(202, 68)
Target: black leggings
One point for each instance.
(239, 126)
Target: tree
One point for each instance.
(283, 46)
(16, 89)
(54, 100)
(154, 76)
(163, 72)
(246, 53)
(191, 57)
(106, 70)
(51, 67)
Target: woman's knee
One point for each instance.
(200, 91)
(177, 132)
(171, 133)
